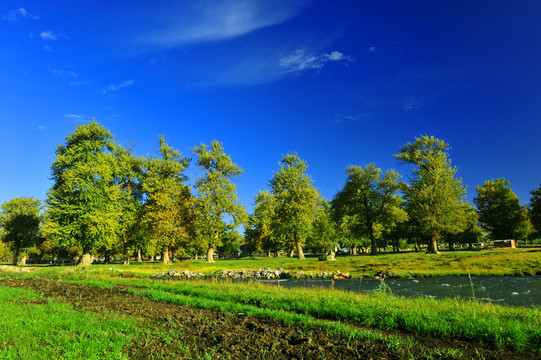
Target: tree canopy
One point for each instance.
(217, 209)
(168, 200)
(434, 198)
(500, 212)
(20, 221)
(371, 199)
(82, 204)
(295, 202)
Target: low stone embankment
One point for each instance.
(259, 274)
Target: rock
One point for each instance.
(171, 272)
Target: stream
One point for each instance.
(504, 290)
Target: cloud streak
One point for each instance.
(301, 60)
(48, 35)
(115, 87)
(203, 21)
(18, 14)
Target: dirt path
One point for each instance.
(237, 337)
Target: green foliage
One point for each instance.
(435, 198)
(20, 223)
(500, 212)
(217, 210)
(295, 200)
(166, 210)
(535, 210)
(258, 232)
(323, 236)
(82, 206)
(131, 231)
(370, 199)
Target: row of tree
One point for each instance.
(106, 200)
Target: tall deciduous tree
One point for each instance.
(217, 209)
(323, 236)
(259, 230)
(20, 221)
(500, 212)
(295, 202)
(168, 199)
(434, 199)
(535, 210)
(371, 199)
(131, 232)
(82, 204)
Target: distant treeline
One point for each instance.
(107, 201)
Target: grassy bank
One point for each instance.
(458, 263)
(517, 328)
(42, 327)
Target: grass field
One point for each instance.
(512, 262)
(68, 312)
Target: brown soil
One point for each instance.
(240, 337)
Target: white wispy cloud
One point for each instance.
(372, 49)
(70, 76)
(77, 118)
(48, 35)
(18, 14)
(339, 118)
(212, 20)
(115, 87)
(301, 59)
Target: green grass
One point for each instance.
(516, 328)
(54, 330)
(494, 262)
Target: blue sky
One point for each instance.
(338, 82)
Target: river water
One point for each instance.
(505, 290)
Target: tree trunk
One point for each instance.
(210, 255)
(15, 256)
(354, 250)
(373, 245)
(165, 255)
(417, 248)
(269, 254)
(23, 260)
(292, 253)
(139, 258)
(433, 245)
(300, 253)
(127, 256)
(86, 259)
(451, 245)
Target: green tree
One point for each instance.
(323, 236)
(166, 211)
(434, 198)
(295, 203)
(471, 233)
(535, 211)
(20, 221)
(217, 210)
(500, 212)
(131, 231)
(82, 208)
(259, 233)
(371, 198)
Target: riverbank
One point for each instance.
(137, 318)
(494, 262)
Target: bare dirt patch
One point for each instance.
(240, 337)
